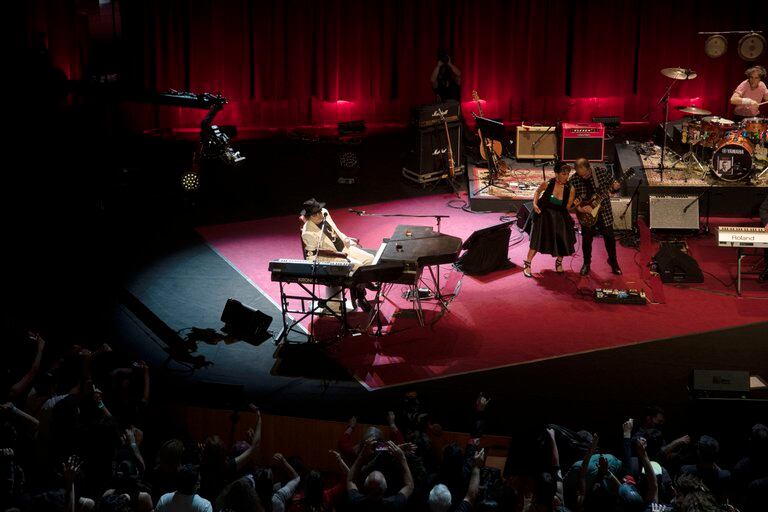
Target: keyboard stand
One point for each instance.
(309, 305)
(740, 256)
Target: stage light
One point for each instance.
(190, 181)
(348, 160)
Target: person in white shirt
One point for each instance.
(185, 498)
(750, 94)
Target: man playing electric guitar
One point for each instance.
(587, 182)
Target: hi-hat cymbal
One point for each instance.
(694, 111)
(679, 73)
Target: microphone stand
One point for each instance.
(536, 143)
(631, 199)
(665, 99)
(314, 266)
(707, 191)
(363, 213)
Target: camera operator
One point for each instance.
(446, 78)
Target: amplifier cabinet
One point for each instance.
(582, 140)
(536, 142)
(429, 161)
(623, 220)
(674, 212)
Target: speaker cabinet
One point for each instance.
(534, 142)
(524, 217)
(244, 321)
(623, 218)
(726, 382)
(431, 156)
(487, 250)
(676, 266)
(674, 212)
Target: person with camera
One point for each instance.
(446, 78)
(374, 497)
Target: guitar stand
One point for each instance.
(486, 127)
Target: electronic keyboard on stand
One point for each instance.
(742, 237)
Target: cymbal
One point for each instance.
(694, 111)
(679, 73)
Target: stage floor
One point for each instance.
(504, 319)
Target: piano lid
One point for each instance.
(421, 246)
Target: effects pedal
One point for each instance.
(620, 296)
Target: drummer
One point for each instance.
(749, 94)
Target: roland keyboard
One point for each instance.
(334, 273)
(742, 236)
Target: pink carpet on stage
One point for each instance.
(504, 318)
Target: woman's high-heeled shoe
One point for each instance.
(527, 268)
(559, 265)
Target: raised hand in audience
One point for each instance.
(254, 438)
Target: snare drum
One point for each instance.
(755, 129)
(713, 130)
(732, 159)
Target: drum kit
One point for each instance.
(731, 147)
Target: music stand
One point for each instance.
(490, 130)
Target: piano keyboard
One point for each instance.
(742, 236)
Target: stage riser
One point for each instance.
(725, 200)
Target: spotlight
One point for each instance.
(190, 181)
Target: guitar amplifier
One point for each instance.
(674, 212)
(429, 115)
(536, 142)
(623, 219)
(582, 140)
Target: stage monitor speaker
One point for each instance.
(487, 250)
(674, 212)
(720, 383)
(675, 266)
(524, 217)
(623, 218)
(244, 321)
(536, 142)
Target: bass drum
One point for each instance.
(732, 159)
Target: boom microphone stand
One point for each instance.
(675, 74)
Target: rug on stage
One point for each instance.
(691, 176)
(512, 183)
(504, 318)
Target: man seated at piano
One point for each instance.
(764, 221)
(324, 241)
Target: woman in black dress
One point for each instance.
(552, 232)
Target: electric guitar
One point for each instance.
(590, 219)
(495, 145)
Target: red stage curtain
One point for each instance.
(301, 62)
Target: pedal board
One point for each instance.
(631, 296)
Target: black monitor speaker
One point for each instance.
(244, 321)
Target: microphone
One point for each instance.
(359, 212)
(325, 214)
